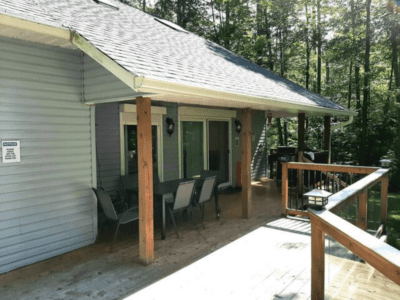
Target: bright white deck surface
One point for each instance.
(263, 264)
(272, 262)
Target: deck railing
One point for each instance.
(299, 178)
(373, 251)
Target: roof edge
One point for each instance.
(158, 86)
(59, 32)
(104, 60)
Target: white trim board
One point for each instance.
(206, 112)
(204, 115)
(128, 116)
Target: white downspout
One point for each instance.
(343, 124)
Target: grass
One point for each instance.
(374, 214)
(393, 223)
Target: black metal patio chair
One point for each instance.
(182, 201)
(128, 216)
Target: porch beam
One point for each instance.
(246, 162)
(327, 136)
(145, 170)
(301, 146)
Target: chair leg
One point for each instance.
(115, 235)
(173, 222)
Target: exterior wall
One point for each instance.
(108, 146)
(170, 144)
(259, 160)
(47, 206)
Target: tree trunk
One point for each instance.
(357, 84)
(365, 102)
(285, 131)
(350, 87)
(280, 135)
(144, 5)
(319, 47)
(308, 50)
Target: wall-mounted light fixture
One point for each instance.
(238, 126)
(269, 118)
(170, 126)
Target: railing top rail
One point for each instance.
(378, 254)
(330, 168)
(336, 199)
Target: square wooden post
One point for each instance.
(384, 198)
(362, 218)
(327, 136)
(301, 146)
(317, 263)
(285, 191)
(246, 162)
(145, 170)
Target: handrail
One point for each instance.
(315, 167)
(377, 253)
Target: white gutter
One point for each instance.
(157, 86)
(343, 124)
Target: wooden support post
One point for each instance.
(327, 136)
(301, 147)
(362, 219)
(384, 198)
(285, 189)
(317, 263)
(246, 162)
(145, 168)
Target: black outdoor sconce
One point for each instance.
(238, 126)
(170, 126)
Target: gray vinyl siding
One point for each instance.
(108, 146)
(170, 144)
(100, 84)
(47, 206)
(259, 158)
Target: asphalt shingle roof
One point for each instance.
(148, 48)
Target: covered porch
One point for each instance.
(263, 257)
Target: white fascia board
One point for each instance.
(50, 30)
(108, 63)
(157, 86)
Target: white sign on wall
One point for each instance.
(11, 152)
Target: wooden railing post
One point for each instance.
(384, 198)
(285, 188)
(317, 263)
(362, 219)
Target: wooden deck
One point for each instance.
(264, 257)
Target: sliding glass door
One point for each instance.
(192, 135)
(218, 149)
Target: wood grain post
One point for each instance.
(246, 162)
(302, 137)
(362, 218)
(317, 263)
(327, 136)
(285, 189)
(384, 198)
(145, 169)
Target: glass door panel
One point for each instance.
(218, 148)
(132, 154)
(192, 148)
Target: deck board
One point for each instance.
(264, 257)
